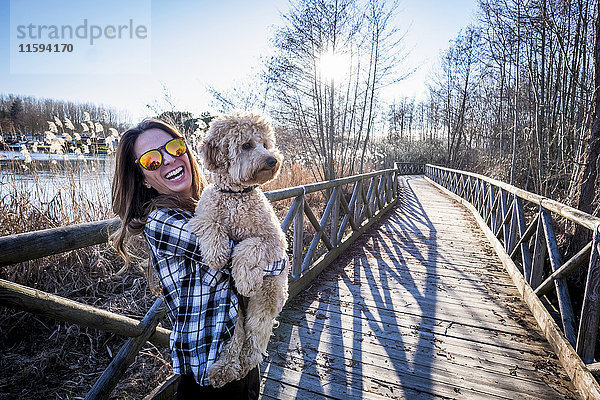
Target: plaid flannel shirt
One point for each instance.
(201, 303)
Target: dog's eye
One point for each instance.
(247, 146)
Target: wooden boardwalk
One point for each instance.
(419, 307)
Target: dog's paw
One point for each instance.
(249, 358)
(220, 374)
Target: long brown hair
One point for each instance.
(132, 201)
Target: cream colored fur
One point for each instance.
(236, 151)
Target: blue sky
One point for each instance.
(199, 43)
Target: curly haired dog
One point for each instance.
(239, 153)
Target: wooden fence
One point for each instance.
(520, 225)
(352, 205)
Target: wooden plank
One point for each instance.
(422, 375)
(581, 377)
(495, 325)
(283, 381)
(506, 222)
(453, 338)
(389, 193)
(395, 183)
(483, 197)
(357, 206)
(447, 277)
(590, 310)
(466, 289)
(49, 305)
(436, 364)
(448, 273)
(462, 259)
(488, 308)
(478, 189)
(505, 216)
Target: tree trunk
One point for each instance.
(586, 181)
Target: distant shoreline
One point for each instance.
(12, 155)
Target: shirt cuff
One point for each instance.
(276, 267)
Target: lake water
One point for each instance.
(64, 187)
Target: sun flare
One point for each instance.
(333, 66)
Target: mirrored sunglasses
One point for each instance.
(153, 159)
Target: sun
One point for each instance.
(333, 66)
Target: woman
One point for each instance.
(156, 186)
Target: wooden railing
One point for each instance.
(410, 168)
(351, 205)
(520, 225)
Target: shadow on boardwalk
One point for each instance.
(415, 309)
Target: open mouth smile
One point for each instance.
(176, 173)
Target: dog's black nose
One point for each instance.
(271, 162)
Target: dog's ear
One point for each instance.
(213, 156)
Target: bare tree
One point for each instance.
(333, 57)
(585, 190)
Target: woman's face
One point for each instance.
(174, 176)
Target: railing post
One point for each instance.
(482, 198)
(381, 192)
(390, 187)
(562, 292)
(539, 255)
(298, 243)
(525, 251)
(590, 311)
(395, 183)
(490, 213)
(335, 213)
(470, 192)
(357, 207)
(368, 199)
(513, 226)
(127, 354)
(504, 210)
